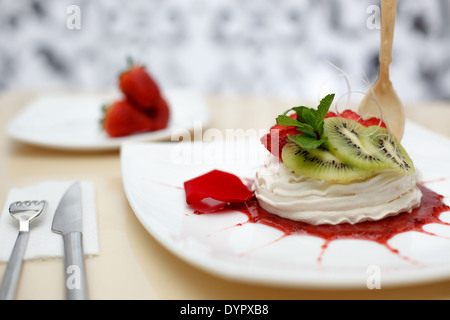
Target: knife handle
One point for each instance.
(75, 268)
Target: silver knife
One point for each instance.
(68, 222)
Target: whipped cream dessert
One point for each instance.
(328, 168)
(285, 193)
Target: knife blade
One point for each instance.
(67, 221)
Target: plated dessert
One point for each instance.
(331, 175)
(333, 169)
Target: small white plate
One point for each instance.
(72, 122)
(153, 176)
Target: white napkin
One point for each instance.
(43, 243)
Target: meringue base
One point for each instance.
(281, 191)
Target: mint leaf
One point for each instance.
(302, 127)
(310, 117)
(320, 127)
(324, 105)
(306, 129)
(299, 112)
(307, 142)
(284, 120)
(308, 121)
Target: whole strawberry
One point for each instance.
(122, 119)
(160, 114)
(139, 87)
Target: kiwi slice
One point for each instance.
(320, 164)
(345, 142)
(387, 147)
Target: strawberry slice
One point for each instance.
(373, 121)
(139, 87)
(351, 115)
(122, 119)
(277, 138)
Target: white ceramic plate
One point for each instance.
(72, 122)
(153, 176)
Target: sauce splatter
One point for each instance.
(381, 231)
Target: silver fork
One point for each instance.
(24, 212)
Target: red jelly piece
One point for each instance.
(215, 189)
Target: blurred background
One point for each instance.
(280, 48)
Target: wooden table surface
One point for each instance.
(131, 264)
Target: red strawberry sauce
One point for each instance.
(381, 231)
